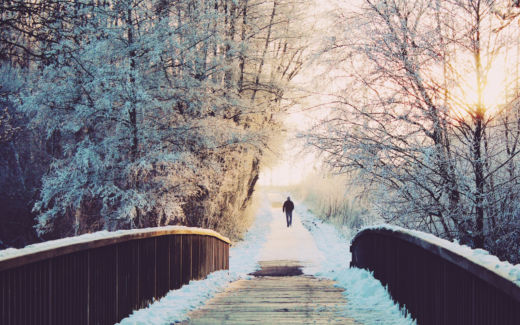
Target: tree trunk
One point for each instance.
(132, 113)
(262, 60)
(478, 163)
(242, 54)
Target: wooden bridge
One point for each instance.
(101, 281)
(278, 294)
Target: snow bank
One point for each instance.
(478, 256)
(242, 260)
(99, 235)
(368, 301)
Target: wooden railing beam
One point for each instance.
(104, 280)
(435, 284)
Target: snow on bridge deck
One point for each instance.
(280, 275)
(279, 293)
(273, 297)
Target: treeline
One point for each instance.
(121, 114)
(427, 118)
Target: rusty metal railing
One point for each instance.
(434, 283)
(101, 281)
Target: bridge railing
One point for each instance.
(436, 284)
(102, 280)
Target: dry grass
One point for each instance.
(276, 205)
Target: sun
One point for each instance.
(496, 86)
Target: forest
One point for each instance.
(119, 114)
(424, 117)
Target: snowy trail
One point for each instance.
(368, 301)
(317, 246)
(294, 243)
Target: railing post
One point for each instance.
(51, 287)
(88, 288)
(155, 268)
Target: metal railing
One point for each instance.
(434, 283)
(101, 281)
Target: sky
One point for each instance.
(296, 162)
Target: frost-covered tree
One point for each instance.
(163, 111)
(413, 118)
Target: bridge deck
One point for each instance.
(277, 294)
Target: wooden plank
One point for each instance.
(103, 278)
(275, 300)
(187, 243)
(146, 271)
(195, 258)
(67, 248)
(176, 261)
(162, 266)
(127, 261)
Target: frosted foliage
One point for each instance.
(339, 200)
(413, 120)
(161, 115)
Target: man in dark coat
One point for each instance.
(288, 206)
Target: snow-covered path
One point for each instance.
(322, 251)
(294, 243)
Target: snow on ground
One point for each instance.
(294, 243)
(321, 249)
(478, 256)
(244, 257)
(368, 302)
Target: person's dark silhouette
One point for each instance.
(288, 207)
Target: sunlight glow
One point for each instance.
(295, 164)
(292, 169)
(494, 94)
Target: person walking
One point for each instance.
(288, 207)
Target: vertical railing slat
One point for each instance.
(433, 288)
(103, 284)
(176, 253)
(186, 258)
